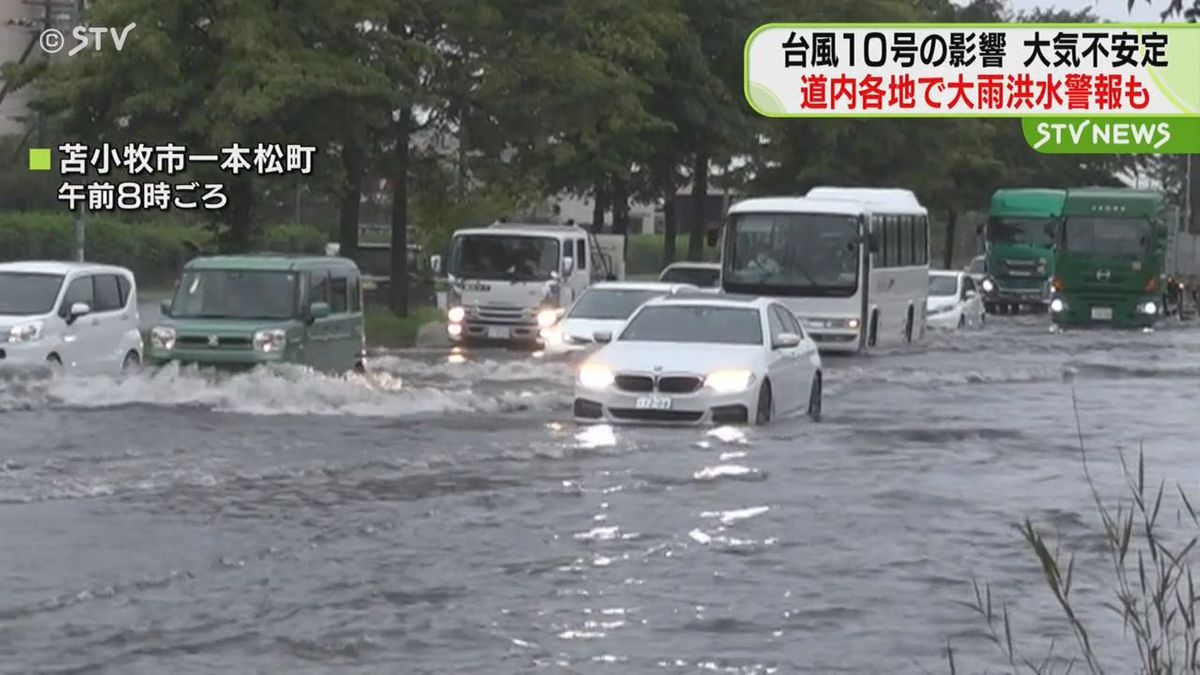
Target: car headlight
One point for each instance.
(270, 341)
(852, 323)
(162, 337)
(25, 332)
(1057, 305)
(729, 381)
(547, 318)
(595, 376)
(552, 335)
(456, 314)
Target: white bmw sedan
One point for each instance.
(702, 359)
(603, 307)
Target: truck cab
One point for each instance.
(508, 281)
(1109, 258)
(1018, 248)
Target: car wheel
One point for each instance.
(908, 326)
(132, 361)
(962, 321)
(814, 399)
(766, 404)
(55, 364)
(360, 368)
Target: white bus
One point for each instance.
(852, 263)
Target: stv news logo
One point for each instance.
(52, 40)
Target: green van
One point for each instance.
(243, 311)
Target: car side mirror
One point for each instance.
(165, 307)
(435, 263)
(318, 310)
(77, 310)
(786, 341)
(602, 336)
(568, 266)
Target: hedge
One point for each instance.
(153, 250)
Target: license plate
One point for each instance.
(1102, 313)
(497, 333)
(653, 403)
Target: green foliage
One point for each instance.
(645, 254)
(294, 239)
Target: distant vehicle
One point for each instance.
(508, 282)
(1018, 247)
(977, 269)
(604, 306)
(70, 317)
(699, 358)
(954, 301)
(852, 263)
(374, 260)
(699, 274)
(1109, 258)
(248, 310)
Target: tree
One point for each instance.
(1173, 8)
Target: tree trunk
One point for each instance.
(620, 207)
(241, 235)
(699, 201)
(352, 162)
(600, 208)
(669, 228)
(951, 231)
(398, 287)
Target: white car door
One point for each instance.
(83, 346)
(111, 319)
(974, 304)
(784, 365)
(807, 357)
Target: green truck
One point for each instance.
(1110, 258)
(1018, 254)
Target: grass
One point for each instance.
(1153, 588)
(385, 329)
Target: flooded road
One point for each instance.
(449, 518)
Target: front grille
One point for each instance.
(656, 415)
(504, 315)
(679, 384)
(223, 342)
(1021, 268)
(638, 383)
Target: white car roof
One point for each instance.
(798, 205)
(694, 265)
(664, 286)
(710, 300)
(946, 273)
(59, 267)
(525, 229)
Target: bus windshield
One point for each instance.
(792, 253)
(493, 256)
(1028, 231)
(1113, 237)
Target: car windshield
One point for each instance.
(235, 294)
(490, 256)
(610, 303)
(695, 323)
(704, 277)
(1030, 231)
(22, 294)
(792, 254)
(943, 285)
(1115, 237)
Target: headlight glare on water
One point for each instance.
(729, 381)
(595, 376)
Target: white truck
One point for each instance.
(508, 281)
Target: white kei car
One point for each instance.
(702, 359)
(704, 275)
(604, 306)
(953, 301)
(71, 317)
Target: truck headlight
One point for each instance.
(988, 285)
(27, 332)
(1057, 305)
(547, 318)
(729, 381)
(270, 341)
(595, 376)
(456, 314)
(162, 337)
(1150, 307)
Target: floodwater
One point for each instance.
(446, 517)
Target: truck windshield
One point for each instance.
(235, 294)
(516, 257)
(1114, 237)
(1037, 232)
(23, 294)
(792, 254)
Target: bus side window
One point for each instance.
(904, 257)
(581, 254)
(893, 239)
(881, 226)
(355, 294)
(920, 243)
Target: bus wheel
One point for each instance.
(908, 326)
(874, 330)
